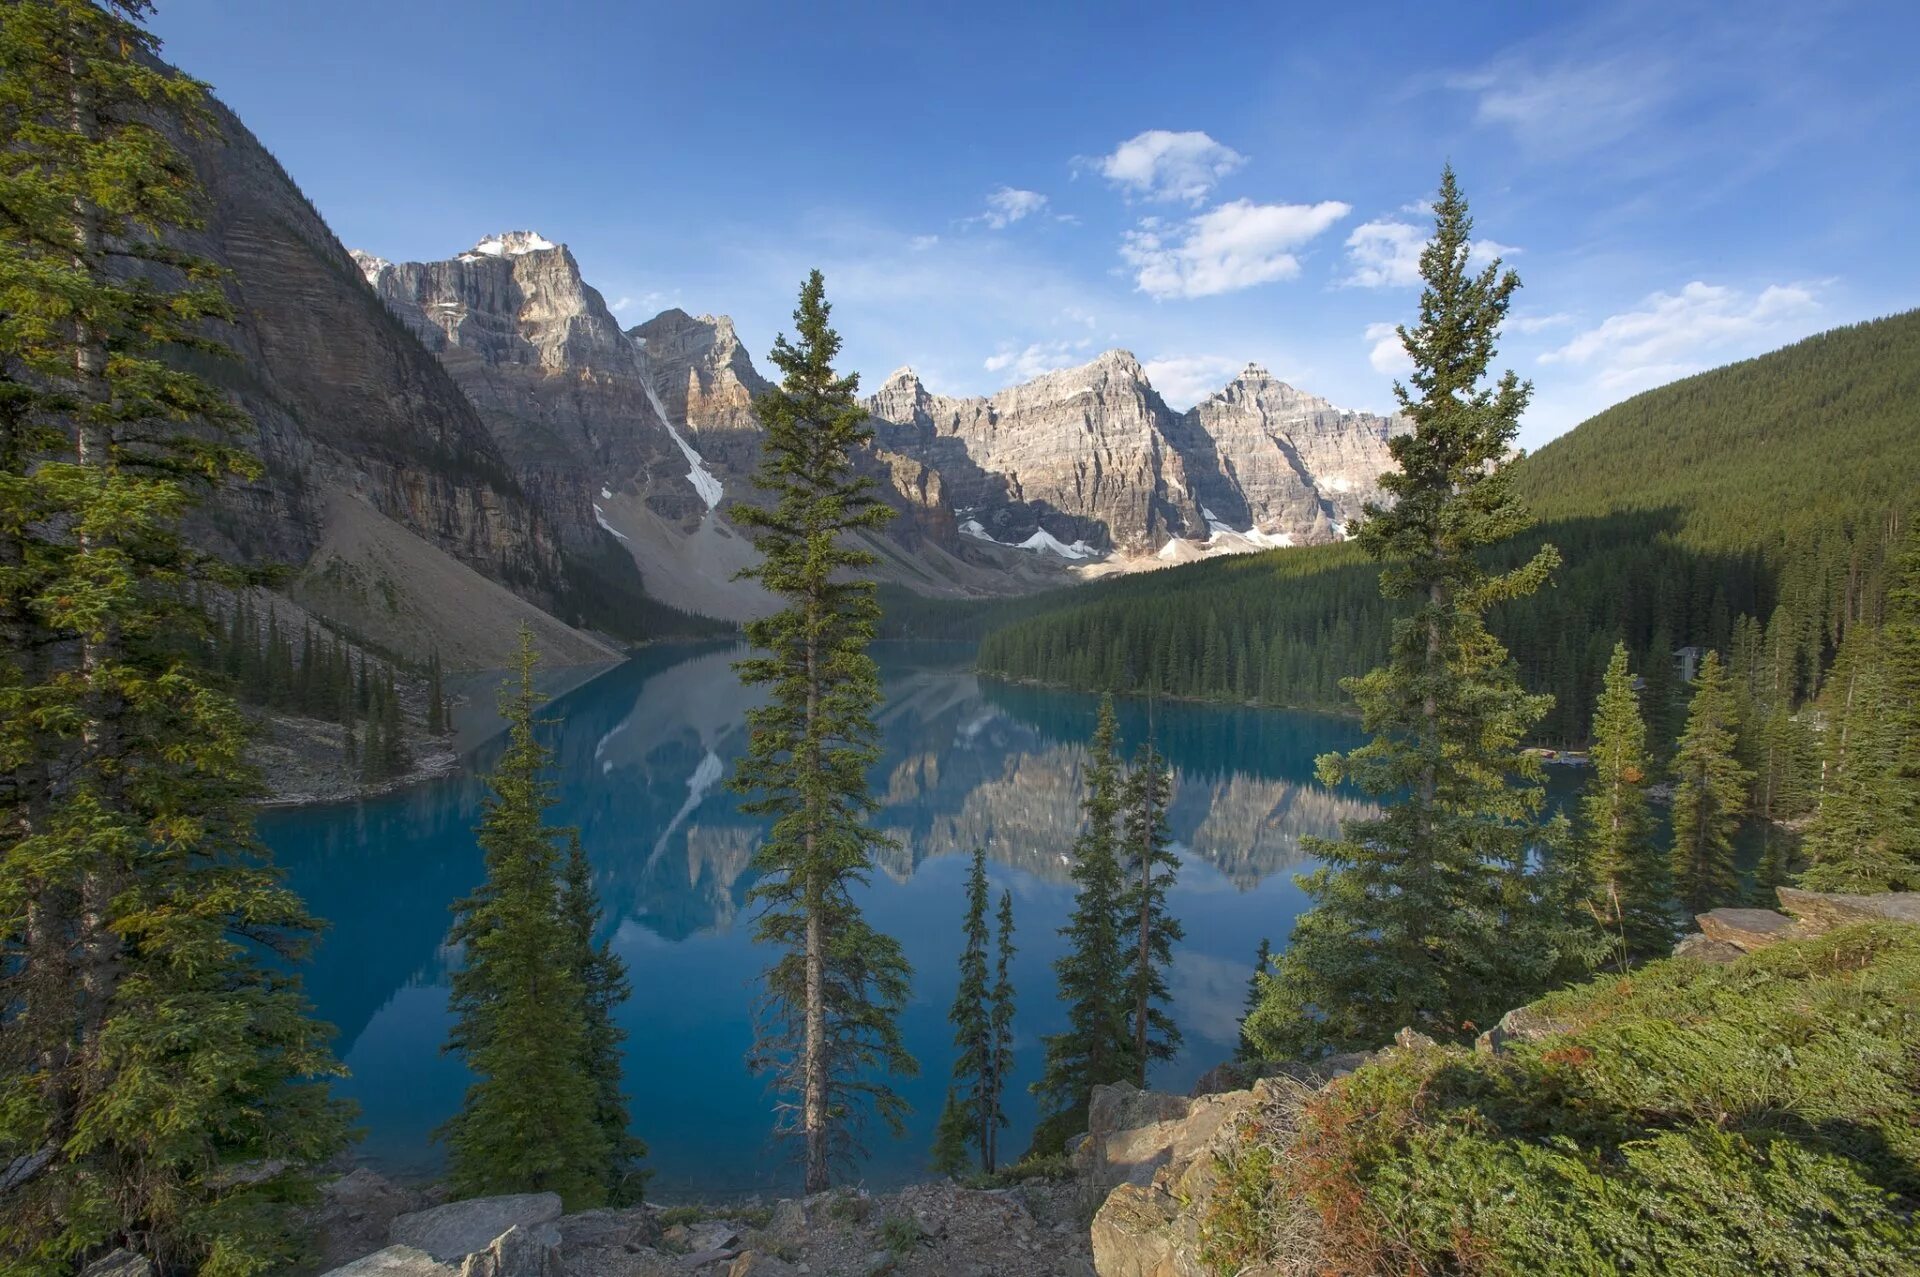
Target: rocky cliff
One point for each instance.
(1090, 461)
(373, 456)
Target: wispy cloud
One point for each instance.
(1163, 165)
(1538, 323)
(1184, 380)
(1031, 361)
(1008, 205)
(1385, 253)
(921, 243)
(1672, 334)
(1566, 108)
(1222, 250)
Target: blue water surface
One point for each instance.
(642, 756)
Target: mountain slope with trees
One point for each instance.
(1770, 489)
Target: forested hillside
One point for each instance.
(1747, 507)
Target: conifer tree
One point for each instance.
(1148, 867)
(530, 1122)
(1632, 882)
(1096, 1045)
(145, 1046)
(1256, 987)
(1427, 916)
(1000, 1015)
(1709, 793)
(603, 978)
(830, 1011)
(950, 1137)
(974, 1095)
(436, 698)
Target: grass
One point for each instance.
(1763, 1116)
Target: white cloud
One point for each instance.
(921, 243)
(1672, 334)
(1385, 253)
(1184, 380)
(1038, 358)
(1234, 246)
(647, 303)
(625, 303)
(1387, 355)
(1162, 165)
(1008, 205)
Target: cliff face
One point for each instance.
(351, 414)
(1091, 459)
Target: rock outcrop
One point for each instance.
(1089, 460)
(1725, 934)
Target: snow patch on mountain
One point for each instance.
(704, 481)
(509, 244)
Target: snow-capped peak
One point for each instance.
(369, 265)
(513, 244)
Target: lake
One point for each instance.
(642, 756)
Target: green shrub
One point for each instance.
(1758, 1117)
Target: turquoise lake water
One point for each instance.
(642, 756)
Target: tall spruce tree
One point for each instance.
(830, 1012)
(1256, 989)
(1147, 867)
(1096, 1046)
(1000, 1009)
(604, 984)
(1709, 793)
(1633, 884)
(974, 1095)
(531, 1121)
(1427, 915)
(146, 1049)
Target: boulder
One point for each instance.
(355, 1215)
(458, 1229)
(1522, 1024)
(1747, 929)
(1412, 1039)
(752, 1263)
(1135, 1234)
(608, 1229)
(396, 1261)
(1824, 910)
(1700, 949)
(518, 1252)
(119, 1263)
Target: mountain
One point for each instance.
(1769, 489)
(385, 496)
(1090, 461)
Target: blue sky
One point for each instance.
(993, 190)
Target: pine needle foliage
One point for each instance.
(829, 1022)
(1096, 1046)
(604, 985)
(980, 1016)
(152, 1036)
(1709, 793)
(1632, 881)
(1148, 867)
(1429, 915)
(532, 1119)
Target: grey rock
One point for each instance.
(608, 1228)
(460, 1228)
(397, 1261)
(355, 1215)
(753, 1263)
(518, 1252)
(1825, 910)
(1522, 1024)
(119, 1263)
(1747, 929)
(1411, 1039)
(1698, 948)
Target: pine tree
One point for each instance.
(1096, 1045)
(603, 977)
(151, 1033)
(1427, 915)
(830, 1011)
(1256, 989)
(951, 1136)
(1632, 882)
(531, 1120)
(1000, 1010)
(1709, 793)
(1148, 867)
(974, 1094)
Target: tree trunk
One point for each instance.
(814, 1063)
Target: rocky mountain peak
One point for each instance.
(369, 265)
(510, 244)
